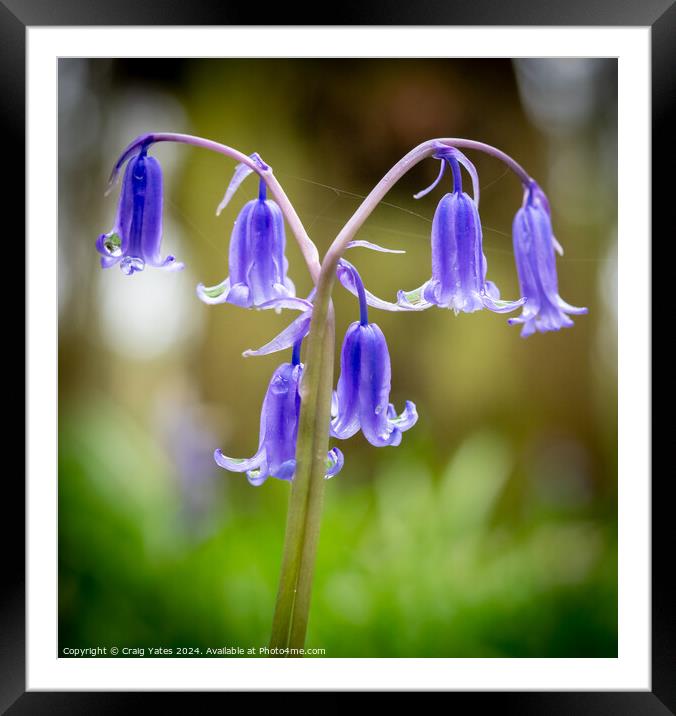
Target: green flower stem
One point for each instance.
(307, 491)
(305, 503)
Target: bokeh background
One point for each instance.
(491, 531)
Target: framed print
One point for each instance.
(253, 429)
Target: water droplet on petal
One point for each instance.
(112, 243)
(279, 385)
(131, 264)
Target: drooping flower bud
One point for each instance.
(534, 247)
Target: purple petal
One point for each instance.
(290, 335)
(240, 465)
(214, 294)
(415, 300)
(374, 388)
(281, 408)
(373, 247)
(240, 257)
(498, 306)
(345, 403)
(407, 419)
(125, 206)
(169, 264)
(239, 295)
(334, 462)
(285, 471)
(108, 261)
(575, 310)
(148, 179)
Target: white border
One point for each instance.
(631, 670)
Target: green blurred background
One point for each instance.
(491, 531)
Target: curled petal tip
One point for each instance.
(373, 247)
(213, 294)
(413, 300)
(501, 306)
(170, 264)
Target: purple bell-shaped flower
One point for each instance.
(257, 262)
(362, 398)
(458, 262)
(534, 246)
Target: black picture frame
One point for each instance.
(17, 15)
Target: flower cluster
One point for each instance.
(459, 266)
(258, 279)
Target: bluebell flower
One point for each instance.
(134, 241)
(458, 263)
(362, 398)
(256, 261)
(534, 247)
(276, 454)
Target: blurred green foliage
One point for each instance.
(491, 531)
(410, 564)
